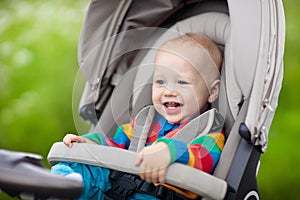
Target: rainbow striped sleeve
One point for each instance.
(96, 137)
(121, 139)
(202, 153)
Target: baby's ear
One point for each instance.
(214, 91)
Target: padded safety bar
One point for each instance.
(189, 178)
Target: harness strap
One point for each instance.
(125, 184)
(210, 121)
(143, 122)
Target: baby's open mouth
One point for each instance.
(172, 105)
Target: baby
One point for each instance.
(185, 82)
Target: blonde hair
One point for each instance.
(197, 41)
(211, 48)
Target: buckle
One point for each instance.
(160, 191)
(123, 185)
(146, 188)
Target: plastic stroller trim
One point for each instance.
(189, 178)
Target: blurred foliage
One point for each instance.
(38, 66)
(278, 176)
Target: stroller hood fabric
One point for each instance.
(258, 63)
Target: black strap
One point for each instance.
(125, 185)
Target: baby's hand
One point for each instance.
(70, 138)
(153, 162)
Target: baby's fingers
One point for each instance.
(70, 138)
(139, 163)
(139, 159)
(161, 175)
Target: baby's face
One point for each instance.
(179, 92)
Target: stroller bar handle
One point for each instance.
(189, 178)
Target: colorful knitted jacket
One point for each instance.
(202, 153)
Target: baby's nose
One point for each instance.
(170, 91)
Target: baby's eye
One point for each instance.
(160, 82)
(183, 82)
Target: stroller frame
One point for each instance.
(248, 102)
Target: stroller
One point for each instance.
(116, 55)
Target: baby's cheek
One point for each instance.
(159, 108)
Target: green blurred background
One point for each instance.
(38, 67)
